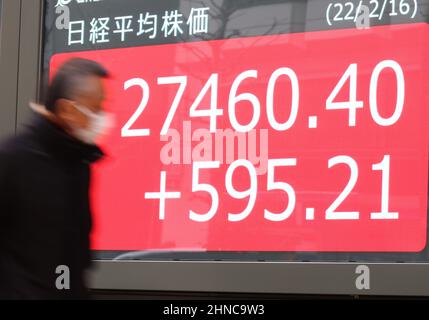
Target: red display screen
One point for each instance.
(309, 141)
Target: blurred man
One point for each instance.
(44, 182)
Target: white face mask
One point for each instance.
(99, 122)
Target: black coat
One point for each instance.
(45, 217)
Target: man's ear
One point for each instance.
(64, 111)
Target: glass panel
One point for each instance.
(256, 129)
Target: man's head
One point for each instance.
(74, 97)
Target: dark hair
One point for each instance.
(69, 78)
